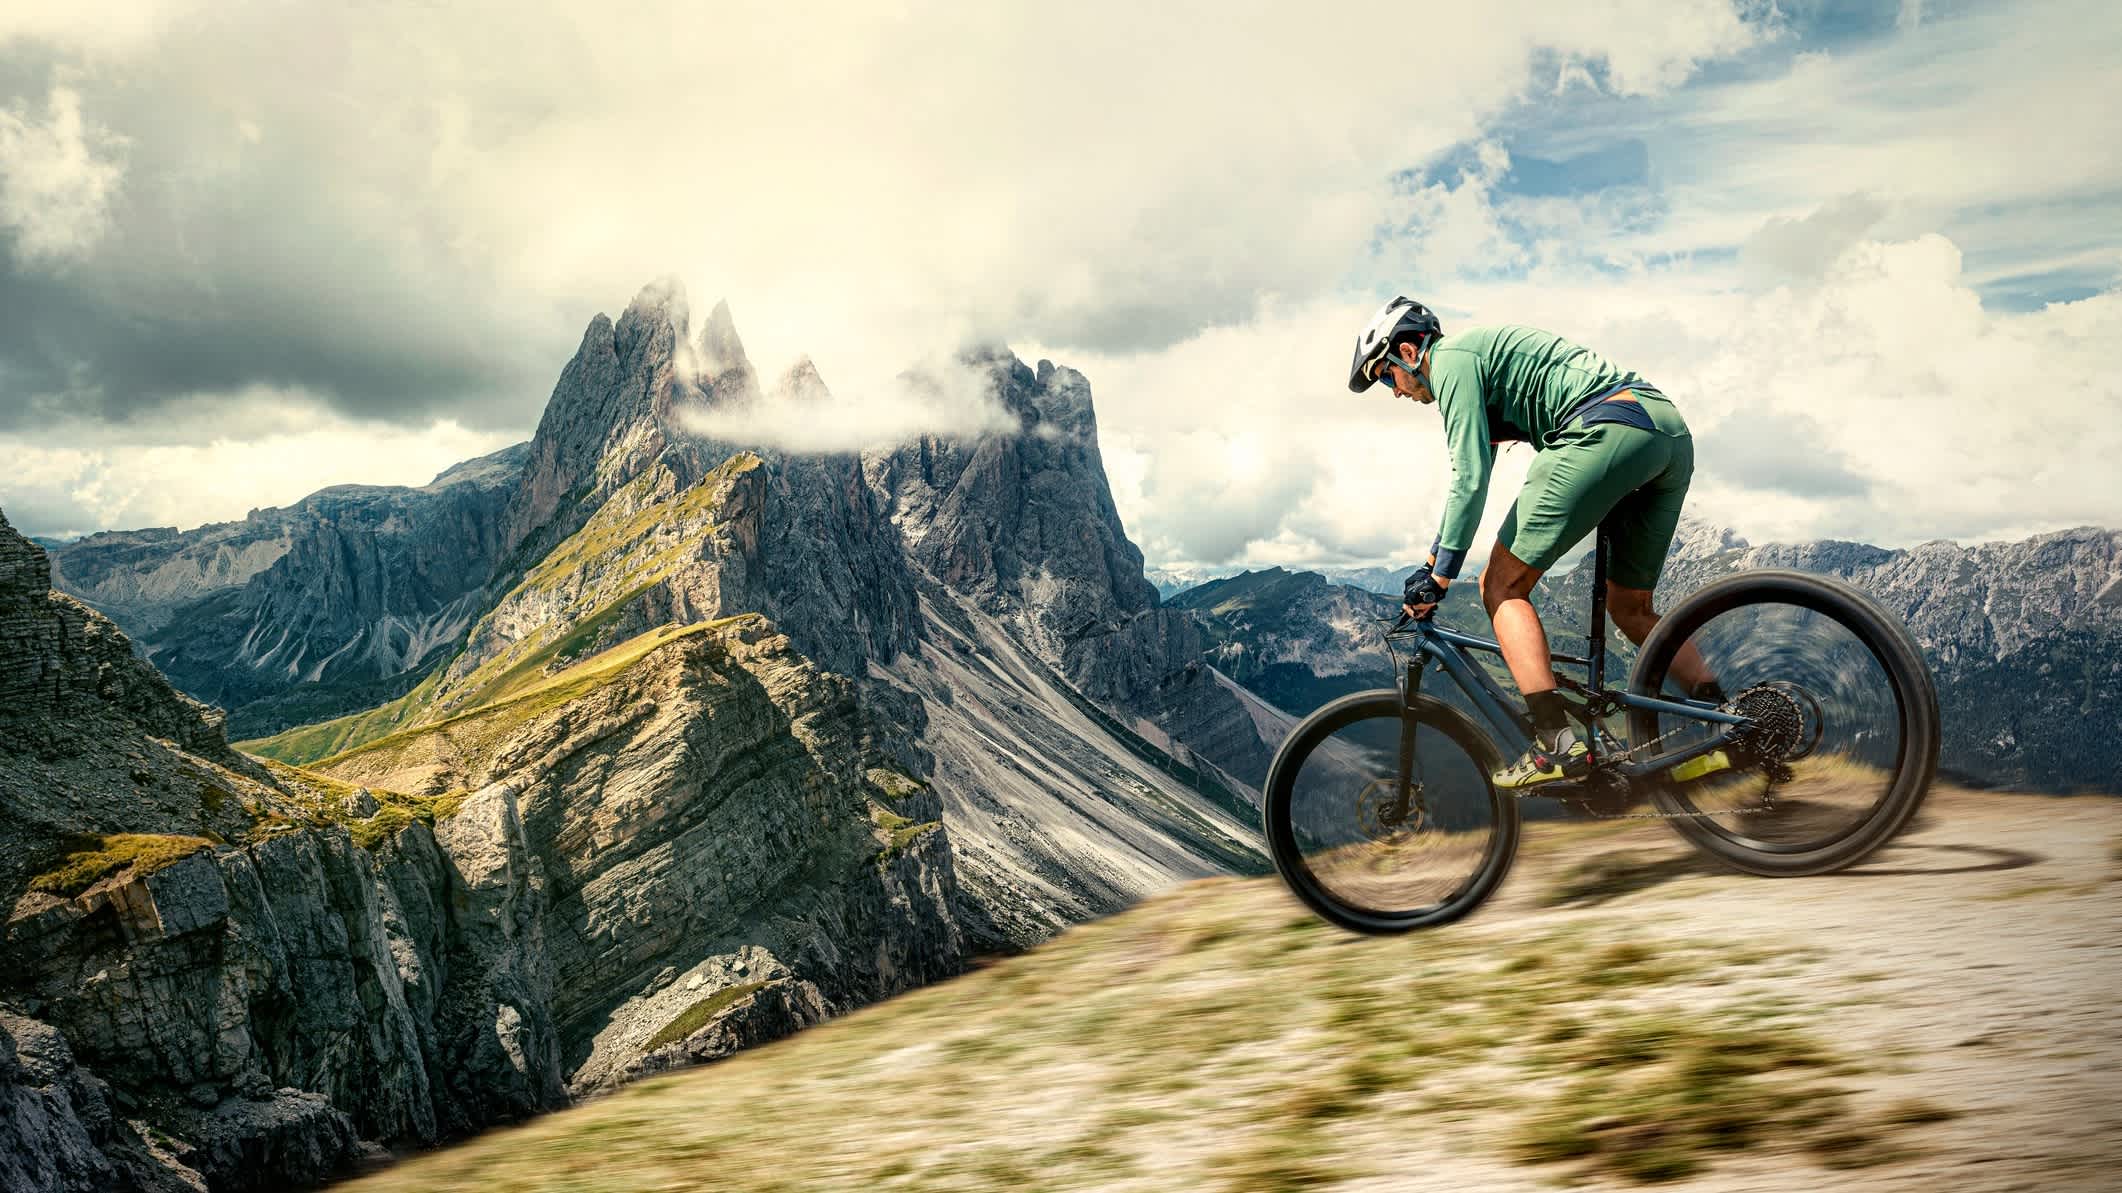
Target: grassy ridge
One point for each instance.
(619, 539)
(473, 735)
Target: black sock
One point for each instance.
(1550, 713)
(1708, 691)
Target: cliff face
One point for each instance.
(299, 612)
(1022, 526)
(669, 850)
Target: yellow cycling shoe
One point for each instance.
(1568, 758)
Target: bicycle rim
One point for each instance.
(1846, 746)
(1349, 852)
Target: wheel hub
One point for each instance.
(1377, 816)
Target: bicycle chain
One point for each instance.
(1768, 804)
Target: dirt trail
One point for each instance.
(1941, 1018)
(1980, 954)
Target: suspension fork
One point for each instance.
(1403, 787)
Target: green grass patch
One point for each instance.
(477, 732)
(905, 835)
(696, 1016)
(327, 800)
(305, 744)
(90, 860)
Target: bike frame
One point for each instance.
(1447, 649)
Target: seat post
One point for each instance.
(1595, 634)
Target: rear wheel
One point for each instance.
(1348, 847)
(1845, 738)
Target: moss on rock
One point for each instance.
(91, 860)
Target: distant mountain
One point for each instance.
(336, 601)
(1171, 582)
(2025, 638)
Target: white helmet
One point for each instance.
(1396, 320)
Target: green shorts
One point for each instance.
(1630, 480)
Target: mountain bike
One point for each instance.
(1380, 814)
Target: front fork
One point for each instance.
(1407, 791)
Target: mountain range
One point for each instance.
(2025, 639)
(627, 747)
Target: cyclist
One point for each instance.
(1611, 450)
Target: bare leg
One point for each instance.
(1631, 612)
(1505, 586)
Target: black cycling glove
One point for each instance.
(1422, 589)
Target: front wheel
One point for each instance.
(1845, 738)
(1356, 852)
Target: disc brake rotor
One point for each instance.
(1375, 812)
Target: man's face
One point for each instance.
(1406, 382)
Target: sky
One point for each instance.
(1872, 250)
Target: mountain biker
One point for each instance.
(1611, 450)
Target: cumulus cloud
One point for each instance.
(1881, 401)
(407, 215)
(1804, 247)
(411, 211)
(57, 176)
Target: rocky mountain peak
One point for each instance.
(724, 366)
(802, 383)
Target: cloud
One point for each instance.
(802, 415)
(410, 212)
(97, 484)
(56, 180)
(1882, 401)
(405, 217)
(1804, 247)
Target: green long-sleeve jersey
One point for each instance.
(1497, 385)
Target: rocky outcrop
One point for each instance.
(805, 543)
(710, 796)
(93, 740)
(55, 1119)
(1022, 525)
(292, 613)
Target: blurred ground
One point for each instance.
(1942, 1017)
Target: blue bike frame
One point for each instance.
(1447, 648)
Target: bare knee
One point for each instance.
(1506, 578)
